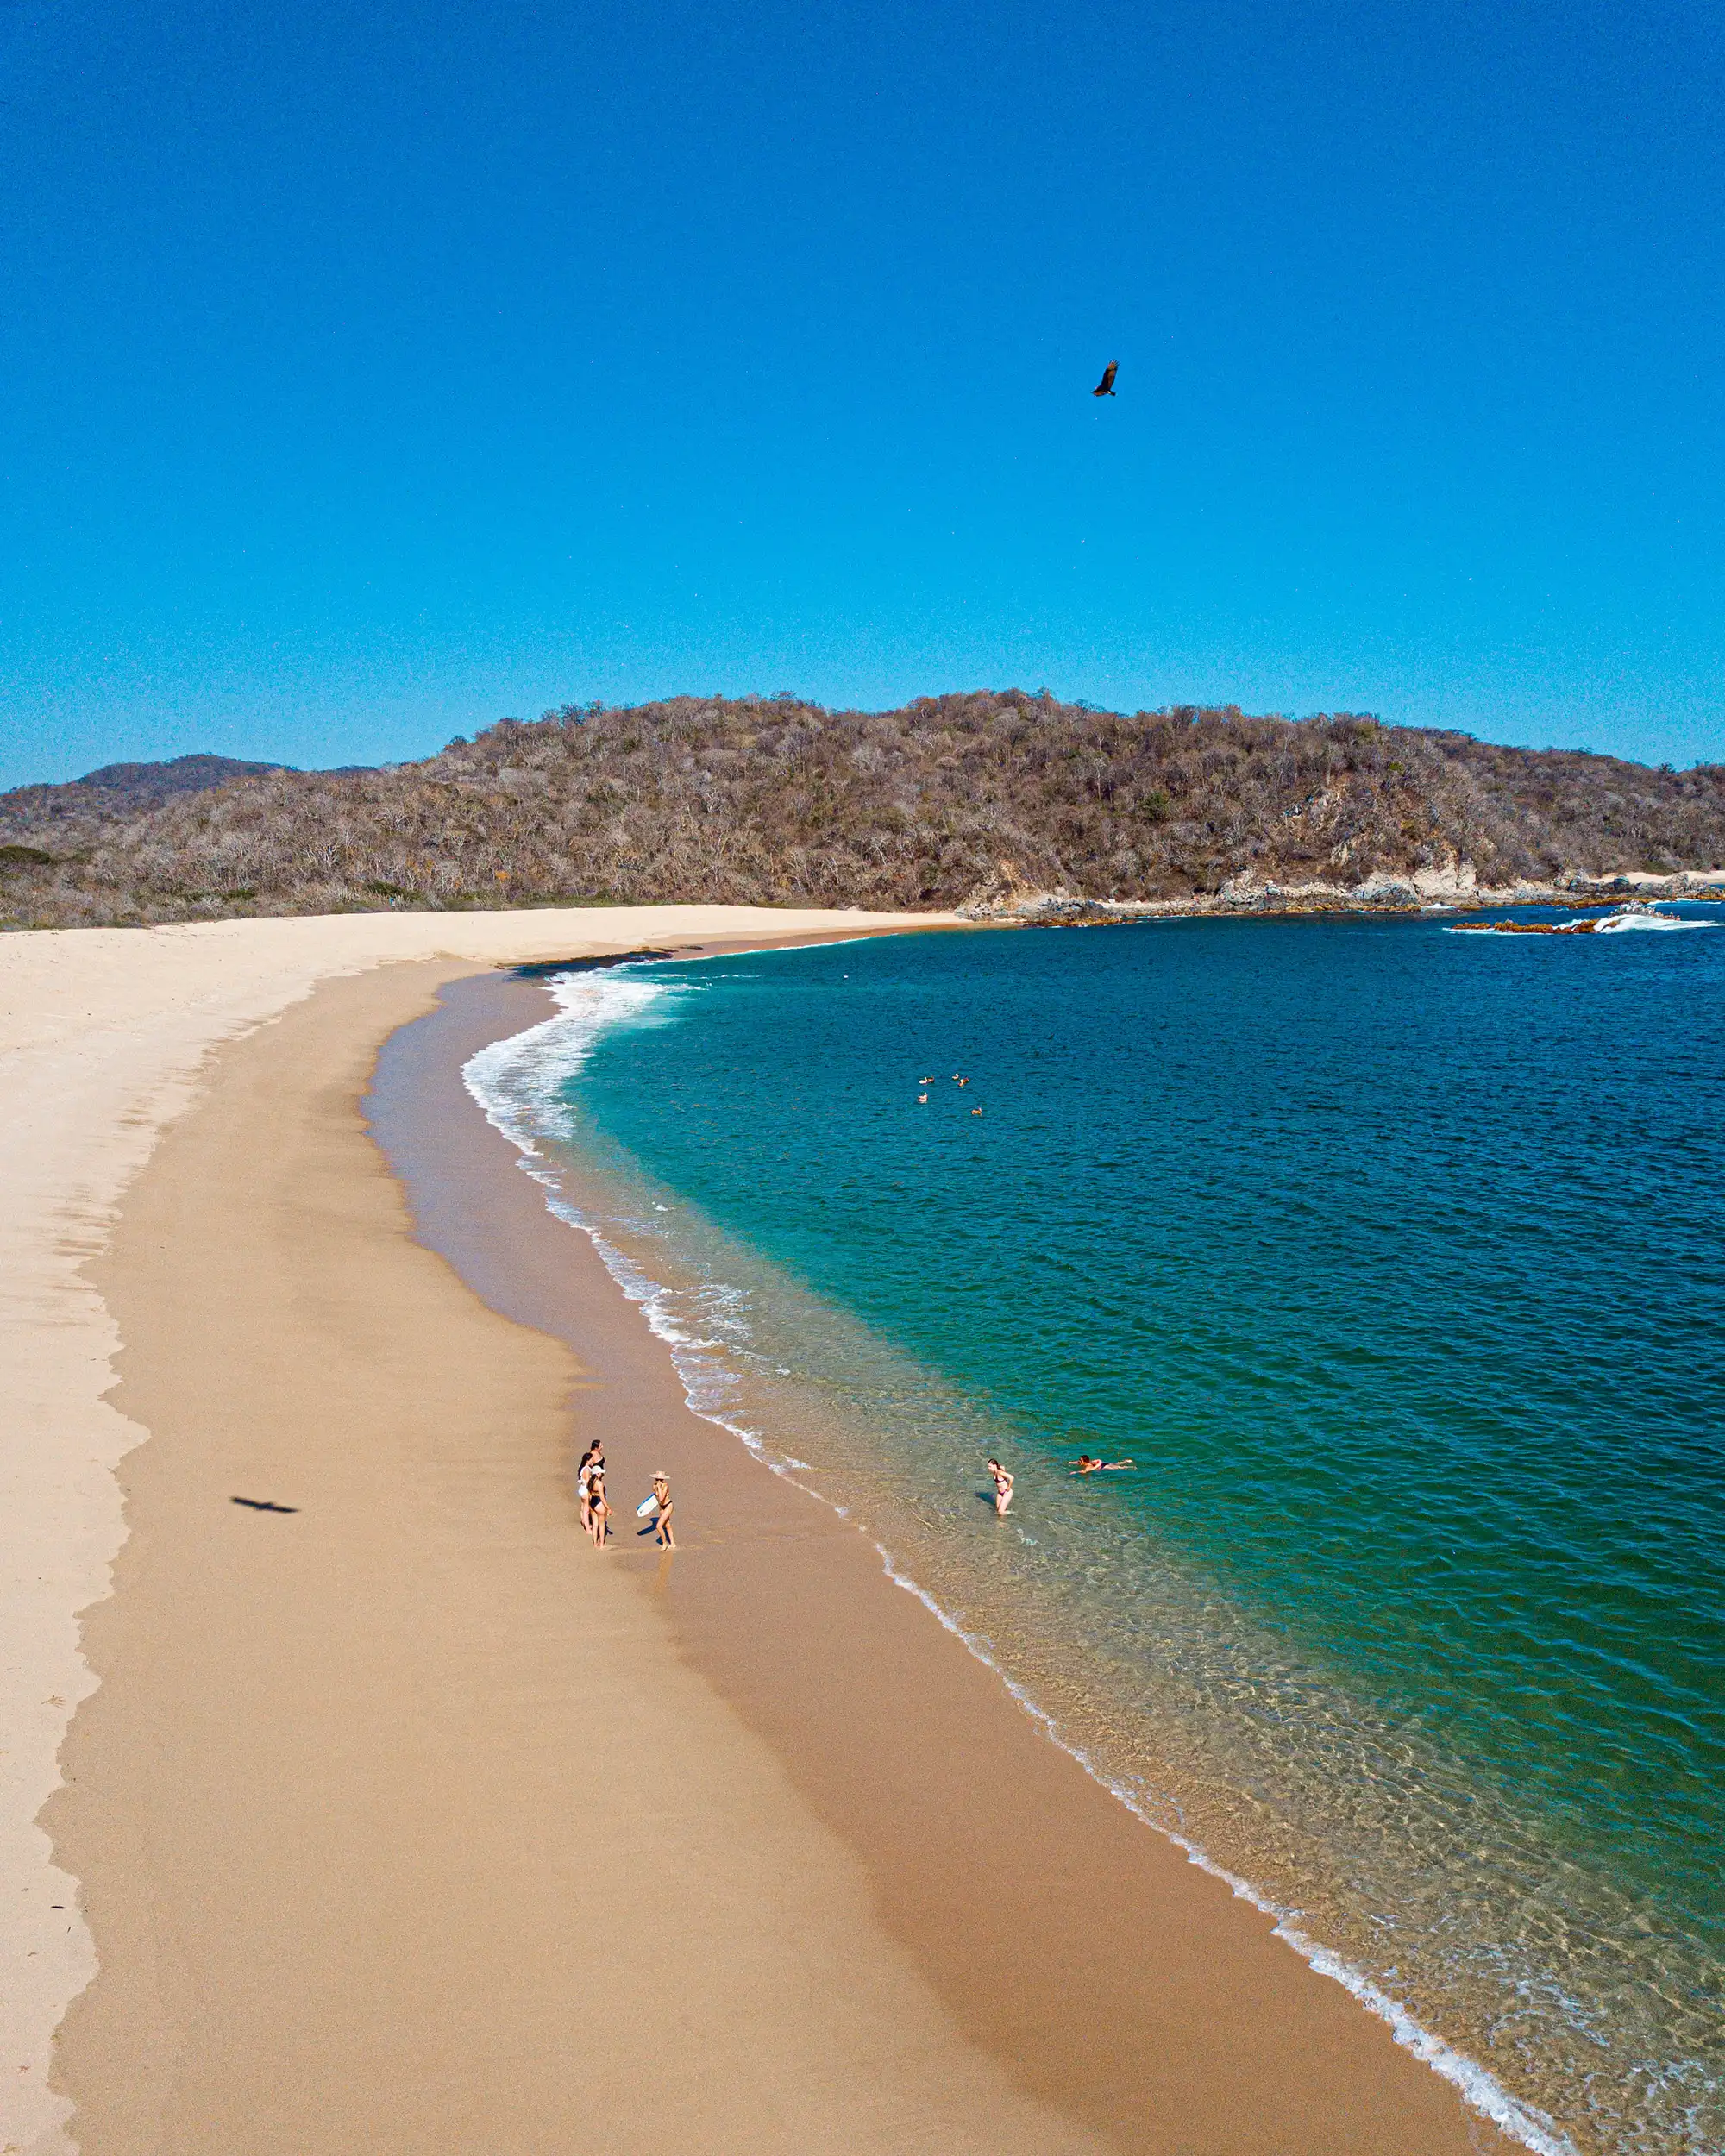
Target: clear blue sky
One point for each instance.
(370, 372)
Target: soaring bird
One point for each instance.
(1105, 386)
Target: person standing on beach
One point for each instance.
(1003, 1487)
(583, 1481)
(661, 1490)
(596, 1504)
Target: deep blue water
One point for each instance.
(1393, 1257)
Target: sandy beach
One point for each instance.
(105, 1038)
(402, 1820)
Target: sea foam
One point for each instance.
(518, 1083)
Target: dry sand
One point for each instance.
(103, 1036)
(404, 1820)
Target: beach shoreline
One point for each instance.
(801, 1629)
(875, 1775)
(106, 1038)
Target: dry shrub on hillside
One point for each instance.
(771, 800)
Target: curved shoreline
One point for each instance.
(795, 1632)
(1179, 2042)
(1479, 2088)
(106, 1038)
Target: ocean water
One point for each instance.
(1394, 1260)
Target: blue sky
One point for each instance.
(369, 373)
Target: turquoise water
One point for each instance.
(1393, 1257)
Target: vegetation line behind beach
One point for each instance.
(992, 802)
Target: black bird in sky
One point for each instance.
(1105, 386)
(263, 1504)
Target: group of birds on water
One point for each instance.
(922, 1097)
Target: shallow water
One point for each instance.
(1393, 1258)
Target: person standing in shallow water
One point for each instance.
(1003, 1487)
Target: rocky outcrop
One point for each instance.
(1454, 890)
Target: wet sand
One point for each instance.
(105, 1039)
(1107, 1974)
(402, 1825)
(406, 1820)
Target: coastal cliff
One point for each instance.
(1004, 805)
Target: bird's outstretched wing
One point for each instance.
(1105, 386)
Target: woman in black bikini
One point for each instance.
(661, 1490)
(583, 1474)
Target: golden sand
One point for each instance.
(404, 1820)
(103, 1036)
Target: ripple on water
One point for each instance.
(1398, 1270)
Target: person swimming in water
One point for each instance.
(1003, 1487)
(1086, 1465)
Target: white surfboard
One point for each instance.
(647, 1505)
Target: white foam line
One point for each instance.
(547, 1055)
(1478, 2086)
(1602, 928)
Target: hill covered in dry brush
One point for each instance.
(954, 800)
